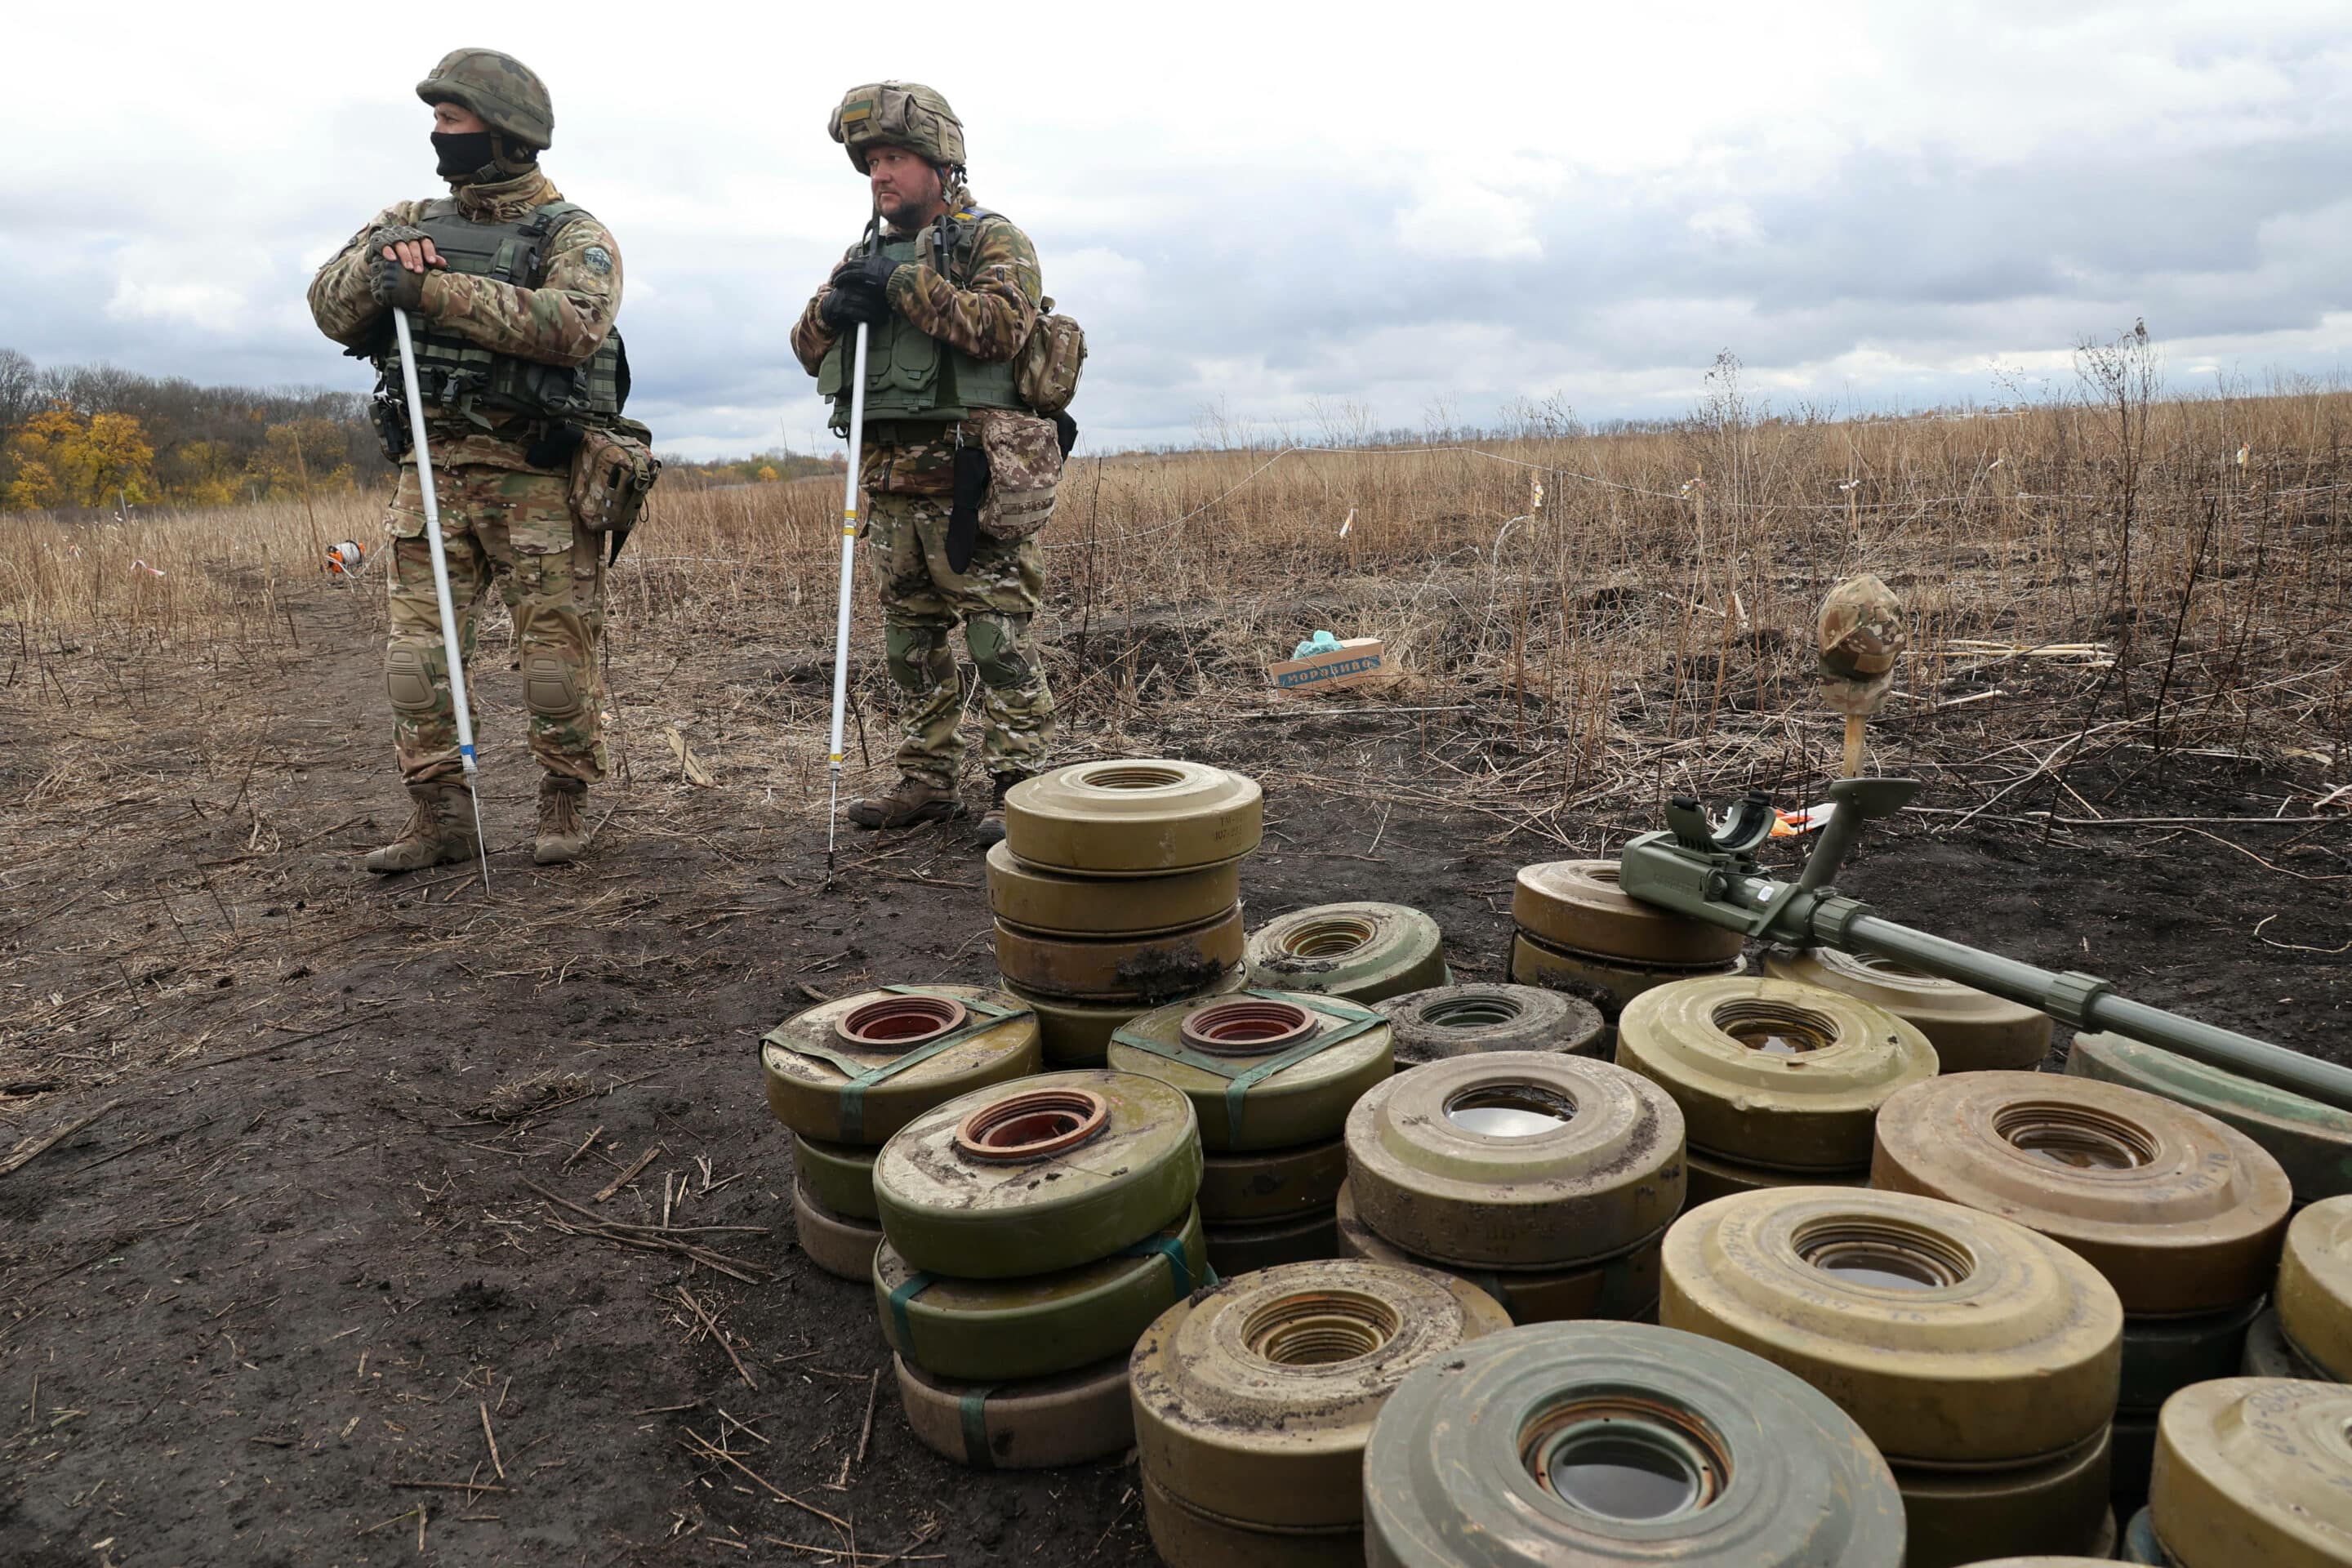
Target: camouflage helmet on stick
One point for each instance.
(898, 114)
(1862, 636)
(506, 93)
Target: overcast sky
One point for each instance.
(1269, 207)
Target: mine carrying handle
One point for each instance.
(1706, 871)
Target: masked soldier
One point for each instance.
(957, 468)
(511, 292)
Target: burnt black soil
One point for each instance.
(297, 1259)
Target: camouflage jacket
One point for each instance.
(987, 310)
(562, 322)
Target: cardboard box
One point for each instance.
(1355, 660)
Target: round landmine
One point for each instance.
(2181, 1214)
(834, 1242)
(989, 1331)
(1362, 953)
(2311, 1142)
(1768, 1072)
(1272, 1183)
(1076, 1034)
(1026, 1424)
(2058, 1505)
(1623, 1288)
(1516, 1159)
(1139, 817)
(1448, 1021)
(1039, 1175)
(1186, 1536)
(1707, 1177)
(1296, 1238)
(2251, 1471)
(2162, 1355)
(856, 1070)
(1972, 1030)
(2315, 1286)
(1035, 898)
(840, 1176)
(1608, 984)
(1174, 964)
(2140, 1544)
(1578, 905)
(2269, 1354)
(1304, 1101)
(1258, 1394)
(1602, 1443)
(1953, 1337)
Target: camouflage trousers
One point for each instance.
(923, 600)
(510, 528)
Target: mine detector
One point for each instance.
(1704, 867)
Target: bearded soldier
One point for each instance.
(959, 468)
(511, 292)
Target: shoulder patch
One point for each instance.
(597, 259)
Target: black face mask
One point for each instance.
(461, 152)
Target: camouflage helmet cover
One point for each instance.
(506, 93)
(1861, 636)
(898, 114)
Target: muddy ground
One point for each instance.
(281, 1294)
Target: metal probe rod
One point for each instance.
(449, 648)
(848, 568)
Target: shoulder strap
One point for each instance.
(561, 215)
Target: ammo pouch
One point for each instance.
(1024, 465)
(1046, 372)
(612, 469)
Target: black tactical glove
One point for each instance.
(844, 308)
(871, 271)
(395, 287)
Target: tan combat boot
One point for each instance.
(562, 836)
(991, 821)
(915, 800)
(440, 830)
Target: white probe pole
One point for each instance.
(848, 568)
(441, 580)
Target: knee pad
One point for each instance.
(548, 687)
(995, 641)
(918, 657)
(408, 680)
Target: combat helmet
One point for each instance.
(898, 114)
(1861, 635)
(506, 93)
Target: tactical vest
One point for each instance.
(910, 376)
(463, 378)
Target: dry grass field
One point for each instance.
(275, 1254)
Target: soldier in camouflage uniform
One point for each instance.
(949, 295)
(511, 292)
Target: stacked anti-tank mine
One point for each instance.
(1972, 1030)
(1596, 1443)
(1780, 1083)
(1361, 952)
(2183, 1216)
(1981, 1357)
(1253, 1400)
(1270, 1077)
(1117, 888)
(1578, 932)
(1546, 1180)
(846, 1074)
(2250, 1470)
(2307, 1331)
(1448, 1021)
(2311, 1142)
(1034, 1230)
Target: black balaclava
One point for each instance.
(462, 153)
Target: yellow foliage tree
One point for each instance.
(767, 474)
(63, 459)
(291, 450)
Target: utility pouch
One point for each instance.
(971, 488)
(390, 417)
(612, 471)
(1024, 465)
(1045, 372)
